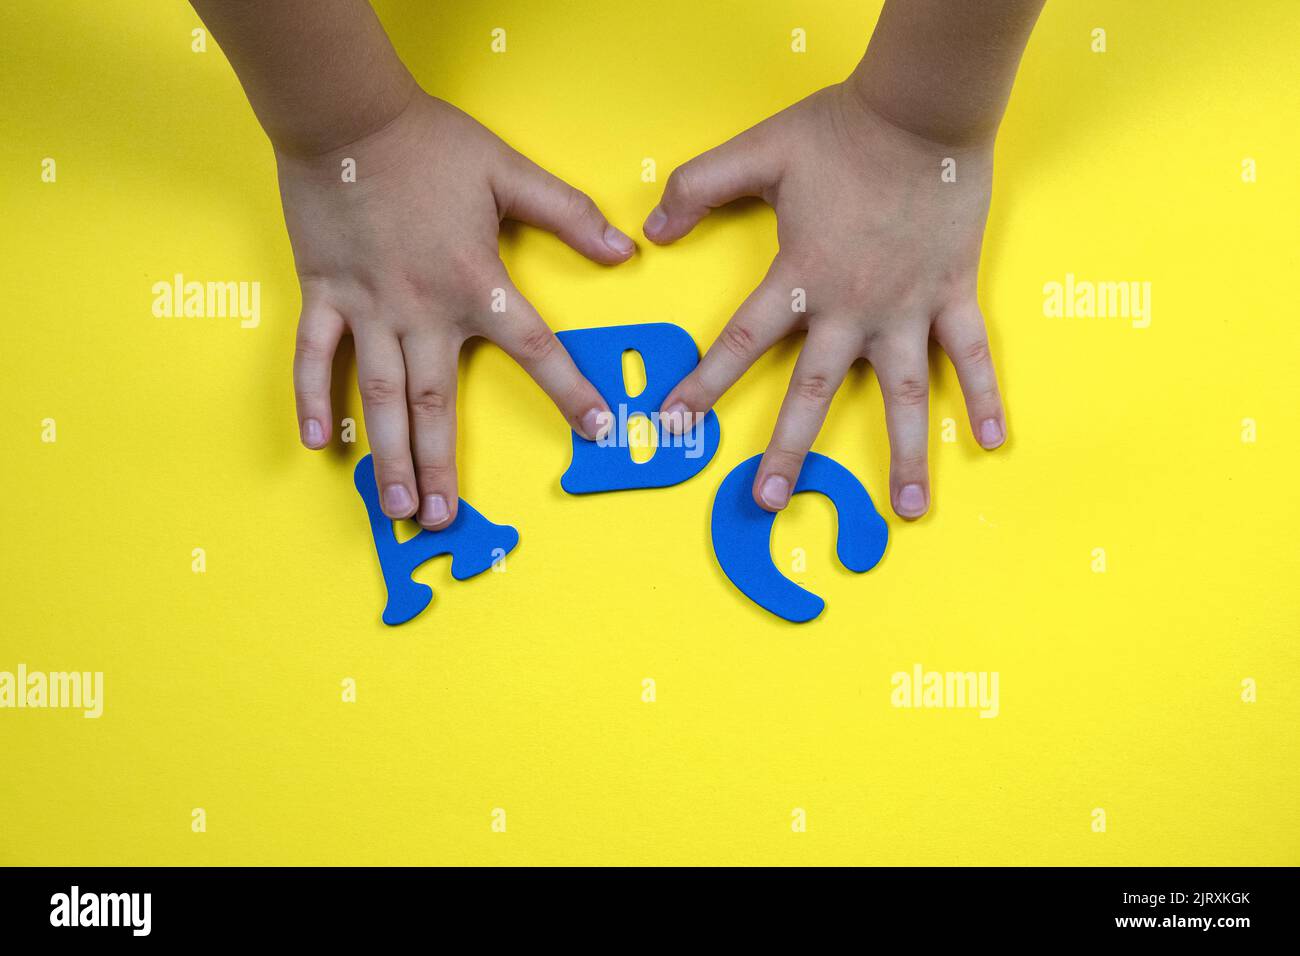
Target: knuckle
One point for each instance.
(738, 339)
(814, 387)
(309, 348)
(377, 390)
(859, 286)
(682, 183)
(988, 397)
(579, 206)
(782, 461)
(429, 401)
(910, 392)
(692, 393)
(800, 265)
(910, 463)
(393, 467)
(417, 284)
(536, 343)
(436, 476)
(307, 379)
(309, 393)
(976, 352)
(580, 395)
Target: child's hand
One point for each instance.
(405, 258)
(886, 254)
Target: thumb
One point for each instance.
(739, 167)
(530, 194)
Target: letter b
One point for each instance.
(668, 353)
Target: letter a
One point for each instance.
(472, 541)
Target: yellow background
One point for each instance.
(522, 690)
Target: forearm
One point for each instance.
(318, 73)
(943, 69)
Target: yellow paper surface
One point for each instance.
(522, 691)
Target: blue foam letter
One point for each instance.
(669, 353)
(473, 542)
(742, 534)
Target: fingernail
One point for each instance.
(655, 221)
(434, 510)
(911, 501)
(618, 242)
(991, 433)
(591, 423)
(674, 418)
(313, 436)
(397, 500)
(775, 492)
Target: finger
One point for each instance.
(527, 339)
(431, 367)
(962, 336)
(762, 319)
(739, 167)
(903, 372)
(530, 194)
(381, 375)
(826, 357)
(319, 331)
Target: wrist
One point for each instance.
(932, 117)
(336, 131)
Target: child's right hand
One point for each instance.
(884, 256)
(405, 258)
